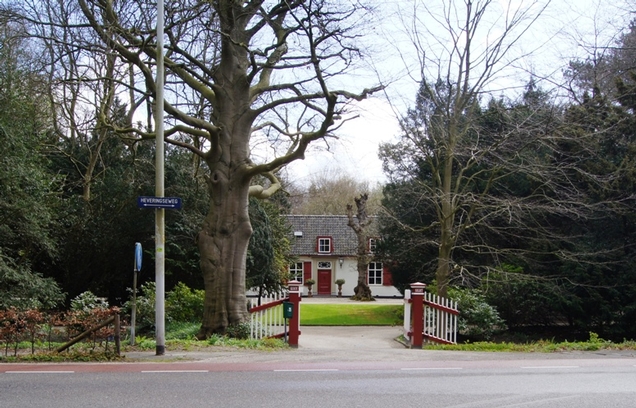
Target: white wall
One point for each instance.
(349, 273)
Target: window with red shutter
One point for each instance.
(296, 271)
(374, 273)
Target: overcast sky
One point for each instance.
(568, 29)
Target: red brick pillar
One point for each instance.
(294, 288)
(417, 293)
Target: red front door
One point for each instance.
(324, 281)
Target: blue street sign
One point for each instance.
(159, 202)
(138, 256)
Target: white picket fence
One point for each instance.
(440, 318)
(267, 319)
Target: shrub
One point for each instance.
(87, 302)
(523, 300)
(145, 314)
(476, 317)
(76, 322)
(239, 331)
(184, 304)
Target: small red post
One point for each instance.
(417, 293)
(294, 323)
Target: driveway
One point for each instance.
(349, 338)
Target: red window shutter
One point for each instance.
(306, 271)
(387, 279)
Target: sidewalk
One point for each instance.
(355, 344)
(326, 344)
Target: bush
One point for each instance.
(239, 331)
(184, 304)
(523, 300)
(477, 318)
(86, 302)
(76, 322)
(145, 315)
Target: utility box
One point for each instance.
(288, 310)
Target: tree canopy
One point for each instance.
(236, 74)
(527, 200)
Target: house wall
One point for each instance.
(348, 272)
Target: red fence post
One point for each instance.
(417, 338)
(294, 322)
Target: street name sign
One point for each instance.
(173, 203)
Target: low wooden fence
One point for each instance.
(428, 317)
(266, 317)
(277, 316)
(114, 320)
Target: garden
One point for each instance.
(34, 335)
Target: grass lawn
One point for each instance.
(363, 314)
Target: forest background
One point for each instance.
(542, 224)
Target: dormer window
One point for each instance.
(324, 245)
(373, 242)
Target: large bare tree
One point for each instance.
(463, 49)
(237, 72)
(490, 181)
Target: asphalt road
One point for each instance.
(534, 386)
(353, 367)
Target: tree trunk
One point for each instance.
(447, 216)
(223, 243)
(226, 231)
(442, 275)
(362, 291)
(443, 269)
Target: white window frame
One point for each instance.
(373, 244)
(296, 271)
(374, 273)
(324, 242)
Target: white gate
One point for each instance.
(439, 318)
(266, 319)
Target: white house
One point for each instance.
(326, 250)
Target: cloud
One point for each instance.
(355, 152)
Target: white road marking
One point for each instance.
(539, 367)
(173, 371)
(430, 368)
(306, 370)
(39, 372)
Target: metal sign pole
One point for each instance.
(159, 192)
(133, 309)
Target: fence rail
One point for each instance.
(266, 318)
(438, 318)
